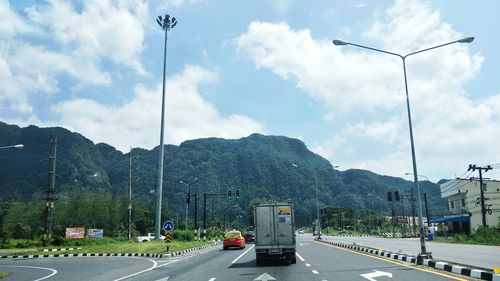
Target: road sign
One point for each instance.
(168, 237)
(168, 226)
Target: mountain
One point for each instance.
(260, 167)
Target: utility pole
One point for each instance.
(129, 233)
(49, 204)
(195, 212)
(427, 211)
(481, 169)
(403, 226)
(413, 210)
(205, 195)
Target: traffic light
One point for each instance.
(389, 195)
(396, 195)
(237, 194)
(229, 195)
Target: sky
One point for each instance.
(240, 67)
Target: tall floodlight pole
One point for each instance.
(423, 254)
(166, 24)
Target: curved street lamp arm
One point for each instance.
(340, 42)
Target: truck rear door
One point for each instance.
(284, 225)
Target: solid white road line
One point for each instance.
(155, 264)
(315, 272)
(54, 272)
(239, 257)
(300, 257)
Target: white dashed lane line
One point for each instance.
(299, 256)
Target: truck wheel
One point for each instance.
(145, 240)
(293, 260)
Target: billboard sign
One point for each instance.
(75, 232)
(95, 233)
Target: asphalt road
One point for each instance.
(473, 255)
(315, 261)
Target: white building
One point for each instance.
(464, 203)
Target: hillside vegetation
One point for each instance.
(92, 181)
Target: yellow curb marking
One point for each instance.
(393, 261)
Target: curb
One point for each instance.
(103, 254)
(465, 271)
(63, 249)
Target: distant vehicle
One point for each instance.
(249, 236)
(233, 238)
(274, 232)
(301, 231)
(148, 237)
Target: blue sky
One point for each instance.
(239, 67)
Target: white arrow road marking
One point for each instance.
(264, 277)
(54, 272)
(239, 257)
(372, 275)
(300, 257)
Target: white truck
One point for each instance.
(148, 237)
(274, 232)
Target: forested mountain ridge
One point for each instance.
(261, 167)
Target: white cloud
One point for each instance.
(166, 5)
(137, 123)
(450, 128)
(103, 29)
(69, 42)
(321, 69)
(381, 131)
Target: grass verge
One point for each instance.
(3, 274)
(151, 247)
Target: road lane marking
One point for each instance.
(164, 279)
(54, 272)
(212, 279)
(315, 272)
(155, 264)
(372, 275)
(308, 264)
(300, 257)
(394, 262)
(239, 257)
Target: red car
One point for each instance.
(233, 238)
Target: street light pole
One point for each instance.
(423, 254)
(188, 200)
(318, 224)
(166, 24)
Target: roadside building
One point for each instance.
(464, 204)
